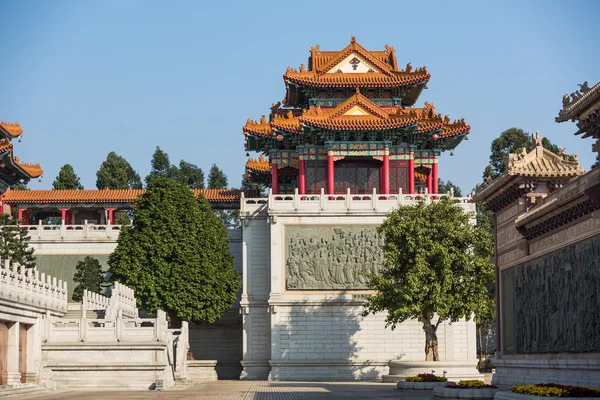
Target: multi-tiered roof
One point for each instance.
(12, 170)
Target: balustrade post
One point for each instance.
(348, 199)
(40, 229)
(322, 199)
(374, 199)
(119, 325)
(85, 228)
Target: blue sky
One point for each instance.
(88, 77)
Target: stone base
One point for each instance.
(201, 370)
(455, 370)
(255, 370)
(326, 370)
(561, 370)
(473, 394)
(12, 379)
(518, 396)
(404, 385)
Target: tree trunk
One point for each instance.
(431, 340)
(480, 345)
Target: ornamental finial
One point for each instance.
(536, 139)
(353, 40)
(357, 90)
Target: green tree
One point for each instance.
(176, 255)
(249, 185)
(437, 266)
(88, 276)
(190, 175)
(122, 218)
(67, 179)
(19, 186)
(512, 140)
(596, 163)
(117, 173)
(14, 243)
(446, 187)
(217, 178)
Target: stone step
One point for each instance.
(25, 391)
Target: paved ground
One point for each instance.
(255, 390)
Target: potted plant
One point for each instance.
(544, 391)
(423, 382)
(471, 389)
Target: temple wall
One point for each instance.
(308, 323)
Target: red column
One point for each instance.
(63, 212)
(302, 177)
(411, 174)
(386, 172)
(330, 174)
(435, 175)
(274, 178)
(110, 216)
(429, 182)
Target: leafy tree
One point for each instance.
(596, 163)
(190, 175)
(248, 184)
(511, 141)
(176, 255)
(446, 187)
(67, 179)
(19, 186)
(437, 264)
(117, 173)
(88, 275)
(161, 166)
(122, 218)
(217, 178)
(14, 243)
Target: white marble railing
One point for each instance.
(341, 203)
(122, 298)
(86, 231)
(106, 330)
(29, 289)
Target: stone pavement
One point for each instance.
(255, 390)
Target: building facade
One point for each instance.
(547, 231)
(12, 170)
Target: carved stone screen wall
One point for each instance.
(331, 257)
(552, 303)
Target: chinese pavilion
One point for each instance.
(12, 170)
(348, 122)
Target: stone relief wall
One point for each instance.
(557, 301)
(332, 257)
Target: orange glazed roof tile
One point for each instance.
(5, 144)
(111, 196)
(261, 165)
(32, 170)
(12, 129)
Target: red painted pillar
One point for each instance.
(435, 175)
(110, 216)
(429, 182)
(302, 177)
(330, 174)
(411, 174)
(386, 171)
(63, 217)
(274, 178)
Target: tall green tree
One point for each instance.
(117, 173)
(512, 140)
(190, 175)
(161, 166)
(67, 179)
(217, 178)
(14, 243)
(176, 255)
(19, 186)
(437, 268)
(447, 187)
(248, 184)
(88, 276)
(596, 163)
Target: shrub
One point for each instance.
(426, 378)
(471, 384)
(554, 390)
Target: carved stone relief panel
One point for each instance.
(557, 301)
(331, 257)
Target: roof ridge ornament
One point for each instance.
(353, 39)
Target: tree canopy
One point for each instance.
(217, 178)
(190, 175)
(447, 187)
(176, 255)
(88, 275)
(14, 243)
(187, 174)
(437, 264)
(67, 179)
(117, 173)
(511, 141)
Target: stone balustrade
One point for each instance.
(30, 290)
(348, 203)
(122, 298)
(112, 330)
(85, 232)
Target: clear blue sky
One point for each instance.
(88, 77)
